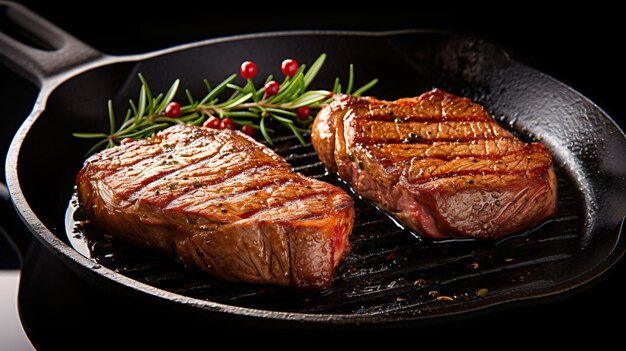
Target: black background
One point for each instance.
(581, 49)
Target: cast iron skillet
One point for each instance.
(391, 276)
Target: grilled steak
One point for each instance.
(439, 163)
(222, 202)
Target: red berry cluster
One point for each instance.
(248, 70)
(226, 123)
(289, 67)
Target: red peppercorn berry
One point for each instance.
(289, 67)
(303, 112)
(227, 123)
(271, 88)
(248, 130)
(248, 70)
(212, 122)
(126, 141)
(172, 109)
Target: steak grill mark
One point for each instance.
(222, 202)
(367, 282)
(439, 163)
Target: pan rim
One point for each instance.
(76, 261)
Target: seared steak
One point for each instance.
(222, 202)
(439, 163)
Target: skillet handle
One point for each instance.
(38, 64)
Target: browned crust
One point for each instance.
(432, 159)
(220, 201)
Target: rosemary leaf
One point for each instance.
(282, 119)
(264, 131)
(241, 114)
(133, 107)
(89, 135)
(147, 131)
(168, 120)
(129, 114)
(301, 87)
(336, 86)
(258, 95)
(292, 88)
(190, 117)
(142, 101)
(302, 130)
(168, 97)
(188, 109)
(338, 91)
(189, 96)
(297, 134)
(308, 98)
(238, 101)
(155, 102)
(365, 88)
(282, 111)
(111, 116)
(236, 88)
(315, 68)
(350, 79)
(147, 87)
(198, 121)
(218, 89)
(243, 122)
(249, 87)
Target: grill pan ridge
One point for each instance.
(390, 270)
(392, 276)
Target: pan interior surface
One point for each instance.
(391, 274)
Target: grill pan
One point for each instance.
(392, 277)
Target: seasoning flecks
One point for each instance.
(414, 136)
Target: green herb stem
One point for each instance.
(247, 105)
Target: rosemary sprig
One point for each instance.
(246, 106)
